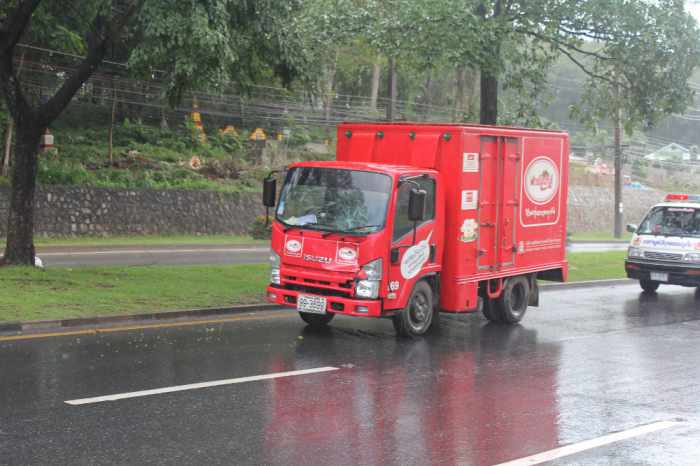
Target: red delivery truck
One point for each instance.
(411, 220)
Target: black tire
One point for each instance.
(490, 311)
(649, 286)
(417, 318)
(514, 299)
(316, 320)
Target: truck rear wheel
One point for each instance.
(490, 311)
(316, 320)
(416, 319)
(514, 299)
(649, 286)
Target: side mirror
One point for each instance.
(269, 192)
(631, 228)
(416, 205)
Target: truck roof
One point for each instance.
(451, 126)
(363, 166)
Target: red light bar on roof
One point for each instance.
(683, 197)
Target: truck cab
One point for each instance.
(344, 239)
(411, 220)
(665, 247)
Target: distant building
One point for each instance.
(670, 152)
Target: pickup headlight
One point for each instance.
(635, 252)
(368, 287)
(692, 257)
(275, 268)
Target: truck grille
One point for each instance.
(663, 256)
(320, 287)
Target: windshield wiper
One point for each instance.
(350, 230)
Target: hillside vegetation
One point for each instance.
(147, 156)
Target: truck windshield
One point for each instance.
(671, 221)
(336, 200)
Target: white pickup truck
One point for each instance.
(665, 248)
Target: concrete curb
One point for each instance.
(41, 326)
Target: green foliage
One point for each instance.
(260, 228)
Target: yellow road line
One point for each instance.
(95, 331)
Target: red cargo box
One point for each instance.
(496, 221)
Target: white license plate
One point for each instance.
(659, 276)
(311, 304)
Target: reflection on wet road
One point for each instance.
(587, 363)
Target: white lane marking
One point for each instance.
(589, 444)
(150, 251)
(196, 386)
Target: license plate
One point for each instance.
(311, 304)
(659, 276)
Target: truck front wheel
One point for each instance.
(416, 319)
(514, 299)
(649, 286)
(316, 320)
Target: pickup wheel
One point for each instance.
(417, 318)
(649, 286)
(514, 299)
(316, 320)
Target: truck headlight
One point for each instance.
(275, 268)
(635, 252)
(692, 257)
(368, 287)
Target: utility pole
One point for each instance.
(617, 142)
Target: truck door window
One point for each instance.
(402, 225)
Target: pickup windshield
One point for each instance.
(331, 199)
(671, 221)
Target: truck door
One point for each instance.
(499, 160)
(410, 258)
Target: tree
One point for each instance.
(191, 42)
(639, 73)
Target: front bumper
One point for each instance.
(335, 304)
(684, 275)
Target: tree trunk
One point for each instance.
(330, 85)
(5, 169)
(376, 75)
(19, 249)
(428, 93)
(391, 104)
(617, 143)
(489, 98)
(458, 112)
(111, 125)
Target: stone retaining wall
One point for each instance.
(93, 211)
(591, 207)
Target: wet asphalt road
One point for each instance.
(586, 363)
(201, 254)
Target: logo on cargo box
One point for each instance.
(541, 180)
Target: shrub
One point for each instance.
(258, 229)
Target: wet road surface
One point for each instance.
(588, 363)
